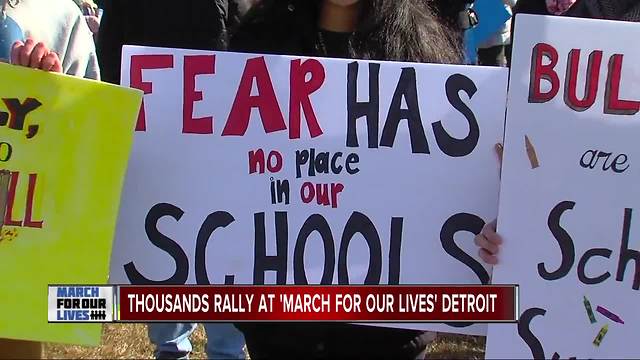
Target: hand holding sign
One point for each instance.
(35, 55)
(489, 242)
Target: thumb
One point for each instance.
(499, 150)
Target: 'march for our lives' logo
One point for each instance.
(80, 303)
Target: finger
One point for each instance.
(94, 24)
(489, 232)
(488, 258)
(48, 61)
(52, 63)
(39, 51)
(89, 9)
(494, 238)
(499, 151)
(482, 242)
(15, 51)
(57, 66)
(25, 53)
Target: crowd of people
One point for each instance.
(85, 39)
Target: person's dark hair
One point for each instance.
(397, 30)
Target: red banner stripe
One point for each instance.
(443, 303)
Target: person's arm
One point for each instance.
(80, 58)
(488, 240)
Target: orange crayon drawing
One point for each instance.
(531, 153)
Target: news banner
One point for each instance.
(193, 303)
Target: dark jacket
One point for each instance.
(262, 31)
(534, 7)
(285, 29)
(193, 24)
(625, 10)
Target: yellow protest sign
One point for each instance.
(66, 142)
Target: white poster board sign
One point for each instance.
(570, 187)
(252, 169)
